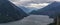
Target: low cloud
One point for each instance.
(31, 3)
(40, 5)
(26, 2)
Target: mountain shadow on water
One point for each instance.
(9, 12)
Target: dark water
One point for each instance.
(32, 20)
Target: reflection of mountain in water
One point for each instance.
(9, 12)
(50, 10)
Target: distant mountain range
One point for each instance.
(27, 10)
(51, 10)
(9, 12)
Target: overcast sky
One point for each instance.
(26, 2)
(36, 3)
(34, 0)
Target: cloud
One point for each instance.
(14, 0)
(21, 2)
(40, 5)
(32, 3)
(37, 5)
(26, 2)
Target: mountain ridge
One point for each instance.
(10, 12)
(50, 10)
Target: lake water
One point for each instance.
(32, 20)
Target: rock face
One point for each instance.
(51, 10)
(9, 12)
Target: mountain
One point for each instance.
(9, 12)
(51, 10)
(33, 12)
(27, 10)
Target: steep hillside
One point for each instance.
(9, 12)
(52, 9)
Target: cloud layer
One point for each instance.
(26, 2)
(37, 5)
(34, 0)
(32, 4)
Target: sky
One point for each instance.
(32, 3)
